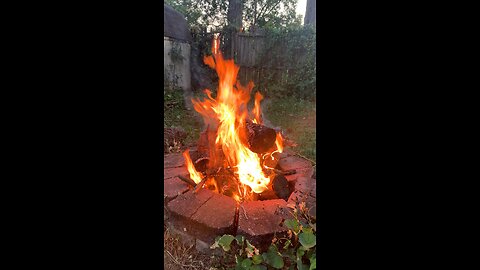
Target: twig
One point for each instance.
(176, 262)
(187, 180)
(244, 212)
(200, 185)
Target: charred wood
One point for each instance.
(260, 138)
(187, 180)
(281, 187)
(201, 164)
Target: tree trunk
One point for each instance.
(311, 13)
(234, 19)
(234, 15)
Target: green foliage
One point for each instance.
(289, 59)
(225, 241)
(274, 258)
(298, 252)
(264, 13)
(199, 13)
(293, 225)
(261, 13)
(307, 239)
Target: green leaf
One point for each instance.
(274, 258)
(311, 253)
(287, 244)
(300, 252)
(257, 259)
(238, 259)
(306, 227)
(264, 256)
(307, 239)
(240, 239)
(258, 267)
(246, 263)
(293, 225)
(301, 266)
(250, 248)
(313, 262)
(225, 241)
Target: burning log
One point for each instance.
(187, 180)
(260, 138)
(201, 164)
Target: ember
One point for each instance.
(235, 145)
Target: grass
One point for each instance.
(175, 115)
(297, 118)
(178, 255)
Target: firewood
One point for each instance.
(281, 187)
(268, 194)
(260, 138)
(187, 180)
(200, 185)
(201, 164)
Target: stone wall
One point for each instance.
(176, 63)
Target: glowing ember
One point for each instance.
(227, 114)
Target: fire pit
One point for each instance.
(239, 179)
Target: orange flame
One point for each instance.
(279, 142)
(228, 113)
(194, 175)
(256, 110)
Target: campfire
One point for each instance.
(236, 153)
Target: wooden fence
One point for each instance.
(250, 53)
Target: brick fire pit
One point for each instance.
(197, 218)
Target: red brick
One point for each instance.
(258, 221)
(306, 172)
(215, 217)
(172, 172)
(173, 160)
(306, 185)
(185, 205)
(294, 162)
(173, 187)
(298, 197)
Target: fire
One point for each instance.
(194, 175)
(227, 114)
(279, 142)
(256, 111)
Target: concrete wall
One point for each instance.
(177, 69)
